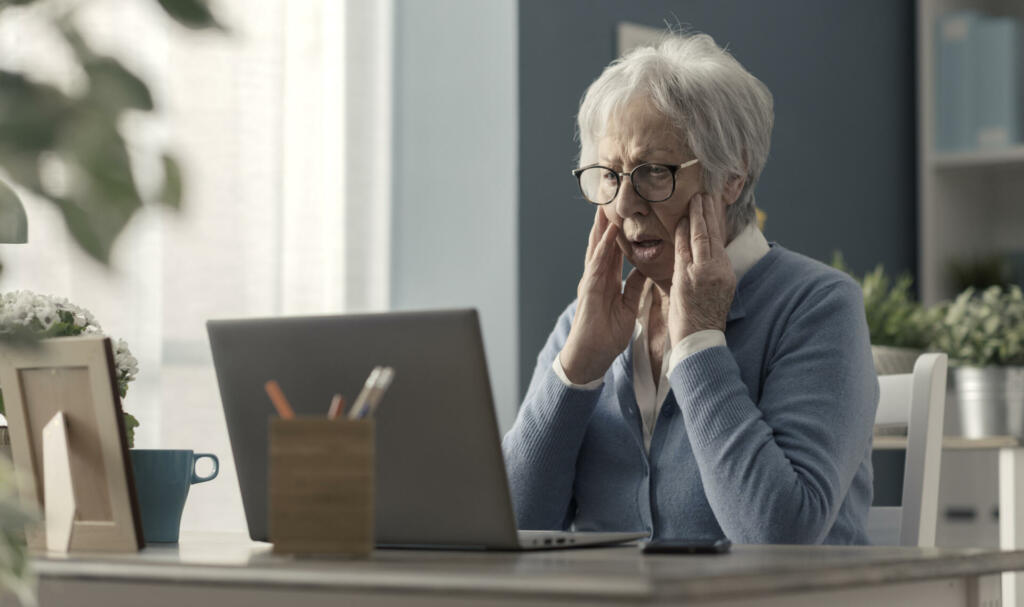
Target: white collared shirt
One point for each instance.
(743, 251)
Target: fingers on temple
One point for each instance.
(714, 212)
(682, 242)
(699, 239)
(595, 234)
(606, 249)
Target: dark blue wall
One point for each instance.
(841, 174)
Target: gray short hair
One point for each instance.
(724, 114)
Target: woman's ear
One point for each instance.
(733, 187)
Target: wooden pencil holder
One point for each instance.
(321, 486)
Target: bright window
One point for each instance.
(283, 130)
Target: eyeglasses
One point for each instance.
(651, 181)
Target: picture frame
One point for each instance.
(71, 382)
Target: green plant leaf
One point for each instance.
(23, 169)
(95, 232)
(983, 328)
(893, 317)
(194, 14)
(31, 114)
(12, 216)
(171, 192)
(112, 86)
(7, 3)
(130, 424)
(103, 196)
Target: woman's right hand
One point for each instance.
(605, 311)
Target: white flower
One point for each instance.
(126, 364)
(25, 309)
(46, 312)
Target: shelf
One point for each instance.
(953, 443)
(979, 158)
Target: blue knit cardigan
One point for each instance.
(765, 440)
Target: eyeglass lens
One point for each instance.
(653, 182)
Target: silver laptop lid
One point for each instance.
(440, 472)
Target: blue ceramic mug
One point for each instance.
(162, 480)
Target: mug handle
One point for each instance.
(202, 479)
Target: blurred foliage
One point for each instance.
(79, 133)
(894, 317)
(16, 575)
(983, 327)
(13, 221)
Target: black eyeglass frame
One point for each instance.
(673, 168)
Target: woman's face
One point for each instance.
(641, 134)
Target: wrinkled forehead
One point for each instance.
(635, 129)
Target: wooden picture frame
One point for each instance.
(74, 376)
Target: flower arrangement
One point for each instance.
(25, 315)
(983, 328)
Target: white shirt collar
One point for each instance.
(746, 249)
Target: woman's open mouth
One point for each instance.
(646, 250)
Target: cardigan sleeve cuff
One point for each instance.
(693, 343)
(556, 365)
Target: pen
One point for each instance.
(383, 383)
(357, 408)
(337, 406)
(280, 402)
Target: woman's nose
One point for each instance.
(627, 202)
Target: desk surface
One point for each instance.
(589, 574)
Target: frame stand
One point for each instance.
(58, 485)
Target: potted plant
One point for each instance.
(983, 333)
(899, 326)
(27, 315)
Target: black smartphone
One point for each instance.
(688, 546)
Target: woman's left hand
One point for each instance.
(703, 281)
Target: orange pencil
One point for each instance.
(280, 402)
(337, 406)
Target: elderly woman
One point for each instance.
(726, 388)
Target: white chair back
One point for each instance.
(917, 399)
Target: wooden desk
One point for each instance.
(229, 570)
(1011, 496)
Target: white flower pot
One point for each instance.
(990, 400)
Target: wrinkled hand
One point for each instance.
(605, 311)
(703, 281)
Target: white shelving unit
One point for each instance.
(979, 158)
(970, 203)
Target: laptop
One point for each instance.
(440, 476)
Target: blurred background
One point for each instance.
(341, 156)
